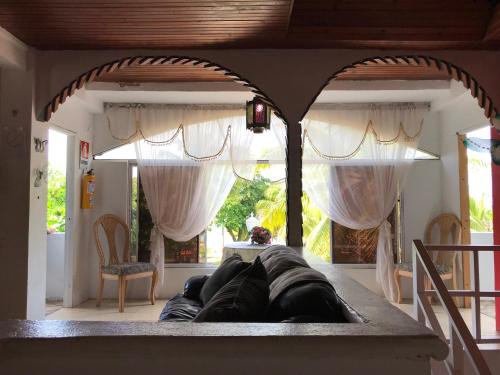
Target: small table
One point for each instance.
(247, 250)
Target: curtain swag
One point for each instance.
(202, 133)
(401, 135)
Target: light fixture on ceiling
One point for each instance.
(258, 115)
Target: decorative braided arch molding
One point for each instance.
(453, 71)
(96, 72)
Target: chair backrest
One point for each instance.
(450, 233)
(109, 223)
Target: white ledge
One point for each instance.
(386, 340)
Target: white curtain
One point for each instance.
(189, 157)
(356, 158)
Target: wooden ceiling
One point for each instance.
(190, 73)
(163, 73)
(102, 24)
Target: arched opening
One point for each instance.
(112, 70)
(169, 105)
(410, 66)
(344, 157)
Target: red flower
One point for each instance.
(260, 235)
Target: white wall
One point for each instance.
(112, 196)
(37, 228)
(486, 262)
(462, 116)
(55, 266)
(433, 186)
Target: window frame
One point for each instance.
(398, 231)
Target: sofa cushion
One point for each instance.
(307, 303)
(274, 250)
(128, 268)
(281, 262)
(180, 308)
(303, 291)
(243, 299)
(193, 285)
(222, 275)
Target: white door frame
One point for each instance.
(70, 207)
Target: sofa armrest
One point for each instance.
(193, 285)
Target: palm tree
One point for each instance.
(272, 210)
(481, 217)
(318, 240)
(316, 226)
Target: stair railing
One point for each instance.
(461, 341)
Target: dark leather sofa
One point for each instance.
(296, 292)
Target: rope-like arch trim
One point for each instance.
(453, 71)
(98, 71)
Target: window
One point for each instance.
(360, 246)
(260, 197)
(134, 211)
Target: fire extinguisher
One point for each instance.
(88, 187)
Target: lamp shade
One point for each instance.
(252, 222)
(258, 115)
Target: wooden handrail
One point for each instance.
(457, 323)
(462, 247)
(466, 293)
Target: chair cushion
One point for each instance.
(128, 268)
(222, 275)
(441, 268)
(243, 299)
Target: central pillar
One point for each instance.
(495, 189)
(294, 184)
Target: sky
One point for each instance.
(57, 150)
(480, 178)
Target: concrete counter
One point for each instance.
(383, 341)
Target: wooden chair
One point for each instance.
(115, 270)
(450, 230)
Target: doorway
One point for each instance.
(57, 219)
(481, 210)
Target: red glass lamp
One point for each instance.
(258, 115)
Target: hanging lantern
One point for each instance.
(258, 115)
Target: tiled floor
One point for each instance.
(135, 310)
(142, 310)
(52, 306)
(487, 316)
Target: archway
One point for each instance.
(126, 62)
(396, 67)
(453, 72)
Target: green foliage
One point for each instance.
(240, 204)
(145, 224)
(56, 201)
(134, 230)
(318, 240)
(481, 217)
(272, 210)
(316, 226)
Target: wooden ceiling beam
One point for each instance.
(493, 29)
(289, 19)
(102, 24)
